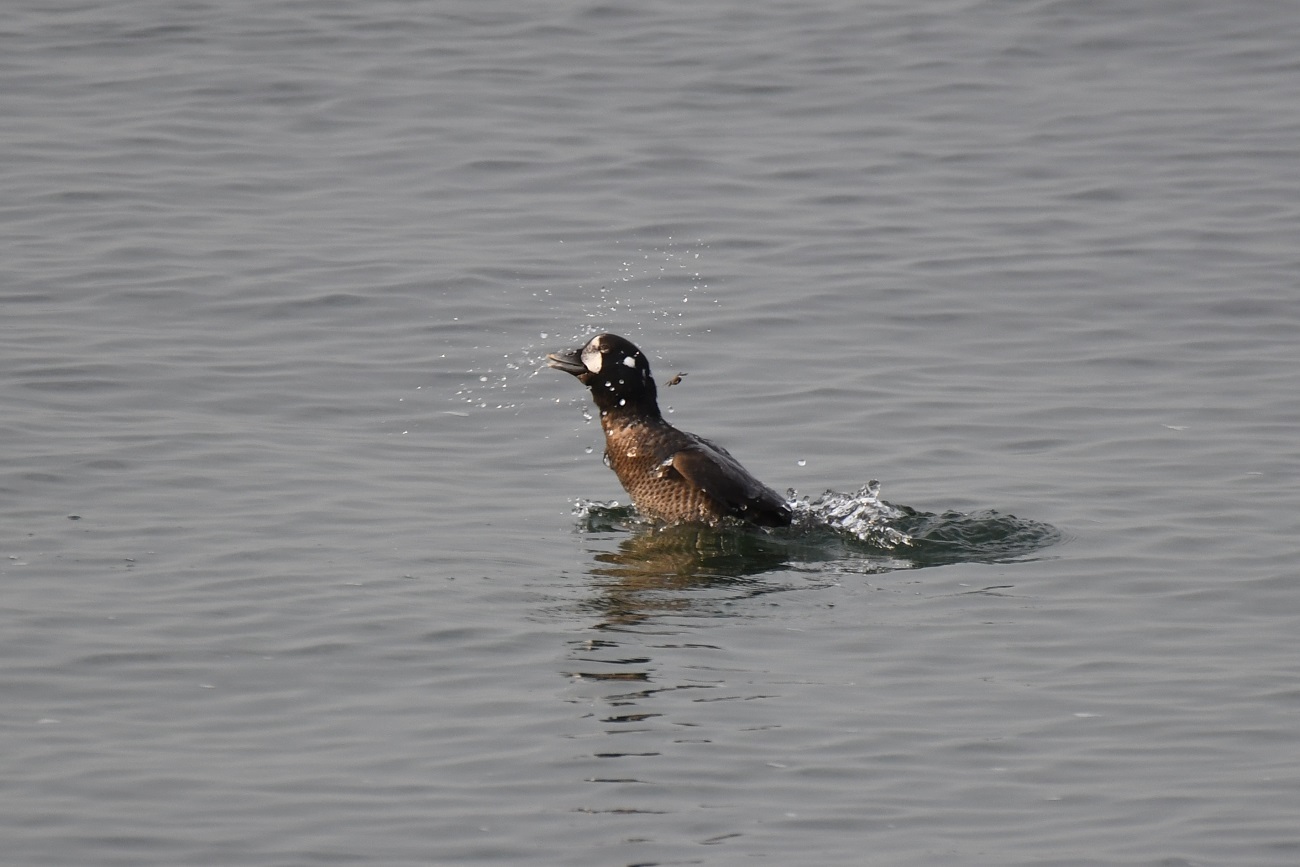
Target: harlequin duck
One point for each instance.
(673, 476)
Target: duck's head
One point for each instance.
(617, 373)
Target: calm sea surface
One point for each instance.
(291, 571)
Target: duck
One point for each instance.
(672, 476)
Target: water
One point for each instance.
(291, 568)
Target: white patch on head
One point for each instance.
(591, 358)
(629, 361)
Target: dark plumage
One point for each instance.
(672, 475)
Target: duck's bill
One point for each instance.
(568, 360)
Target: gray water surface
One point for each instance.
(291, 568)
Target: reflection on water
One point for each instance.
(656, 577)
(680, 569)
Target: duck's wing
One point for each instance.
(712, 469)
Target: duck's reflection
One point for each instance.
(672, 569)
(647, 671)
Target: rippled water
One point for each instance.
(291, 567)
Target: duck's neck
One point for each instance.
(643, 404)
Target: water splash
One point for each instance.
(856, 532)
(595, 516)
(647, 287)
(915, 538)
(651, 290)
(861, 515)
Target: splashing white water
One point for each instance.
(861, 514)
(647, 292)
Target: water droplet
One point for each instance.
(589, 449)
(801, 462)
